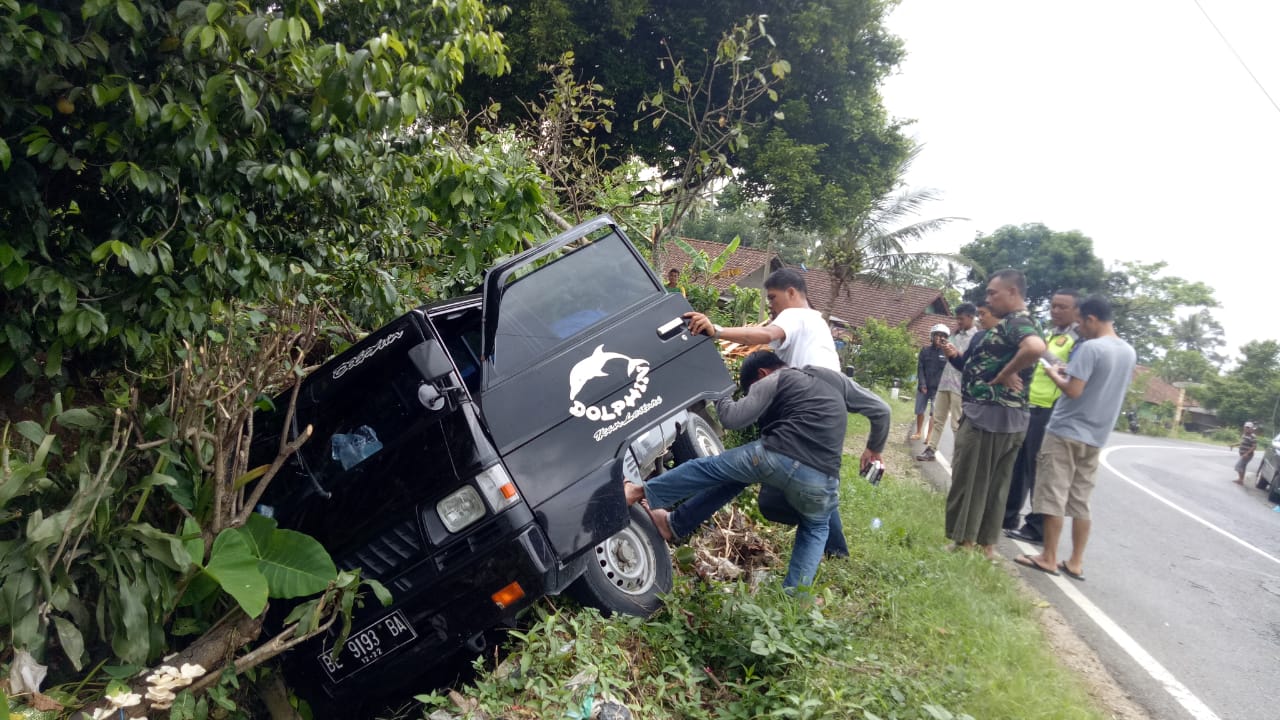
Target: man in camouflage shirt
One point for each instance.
(994, 388)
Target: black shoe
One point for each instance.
(927, 455)
(1023, 535)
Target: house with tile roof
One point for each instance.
(919, 307)
(747, 267)
(1156, 392)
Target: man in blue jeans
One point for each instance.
(802, 416)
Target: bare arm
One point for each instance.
(1072, 387)
(700, 324)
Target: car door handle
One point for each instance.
(670, 329)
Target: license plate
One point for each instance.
(367, 646)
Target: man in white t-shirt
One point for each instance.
(801, 337)
(797, 333)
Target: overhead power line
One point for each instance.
(1231, 47)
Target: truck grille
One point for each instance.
(389, 553)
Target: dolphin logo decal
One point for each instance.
(592, 367)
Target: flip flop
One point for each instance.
(1028, 561)
(1062, 566)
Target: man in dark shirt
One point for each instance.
(994, 388)
(802, 417)
(1248, 444)
(929, 366)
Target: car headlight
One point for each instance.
(460, 508)
(498, 488)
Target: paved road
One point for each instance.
(1187, 565)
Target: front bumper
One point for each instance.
(447, 599)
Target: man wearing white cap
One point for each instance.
(929, 366)
(1248, 443)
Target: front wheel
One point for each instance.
(627, 572)
(699, 439)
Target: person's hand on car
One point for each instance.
(700, 324)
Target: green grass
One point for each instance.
(900, 630)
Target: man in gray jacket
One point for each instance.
(802, 417)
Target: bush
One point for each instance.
(882, 354)
(1225, 435)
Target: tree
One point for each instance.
(1146, 305)
(1179, 365)
(882, 354)
(712, 103)
(732, 216)
(1050, 259)
(948, 277)
(818, 153)
(1200, 334)
(159, 161)
(194, 196)
(872, 246)
(1251, 390)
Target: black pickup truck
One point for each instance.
(470, 456)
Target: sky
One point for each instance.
(1128, 120)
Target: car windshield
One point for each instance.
(564, 297)
(373, 414)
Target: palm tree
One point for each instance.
(1199, 333)
(873, 246)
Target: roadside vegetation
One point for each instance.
(202, 200)
(901, 629)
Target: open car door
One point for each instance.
(583, 349)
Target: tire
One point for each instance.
(1274, 494)
(627, 573)
(699, 439)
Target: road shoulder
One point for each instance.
(1067, 645)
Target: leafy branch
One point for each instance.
(714, 109)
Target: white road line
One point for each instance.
(1244, 543)
(1171, 684)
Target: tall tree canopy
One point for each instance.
(1146, 304)
(1051, 259)
(731, 217)
(872, 246)
(160, 159)
(819, 153)
(1200, 333)
(1185, 366)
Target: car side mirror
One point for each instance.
(431, 360)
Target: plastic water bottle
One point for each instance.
(875, 523)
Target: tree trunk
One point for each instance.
(275, 696)
(211, 651)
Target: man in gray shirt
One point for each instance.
(1093, 385)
